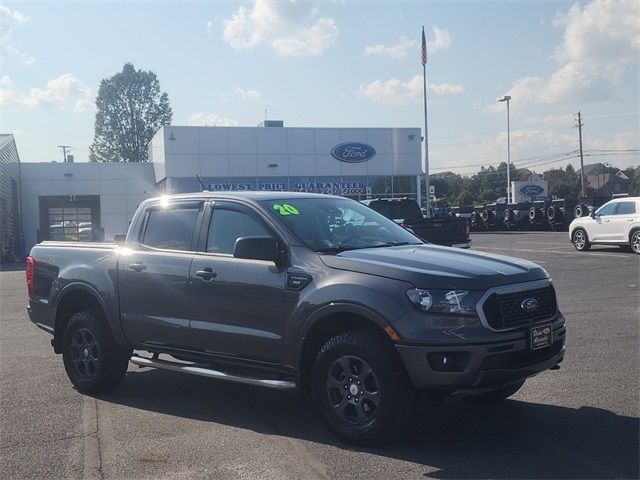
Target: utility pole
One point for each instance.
(581, 156)
(507, 98)
(64, 151)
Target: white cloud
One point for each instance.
(399, 50)
(248, 95)
(209, 27)
(439, 40)
(10, 20)
(289, 28)
(394, 91)
(202, 119)
(567, 120)
(64, 91)
(601, 45)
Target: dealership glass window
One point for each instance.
(227, 226)
(70, 224)
(170, 228)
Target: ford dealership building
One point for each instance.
(95, 201)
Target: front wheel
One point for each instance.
(92, 359)
(634, 242)
(580, 240)
(362, 388)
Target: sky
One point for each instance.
(339, 64)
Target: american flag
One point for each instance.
(424, 48)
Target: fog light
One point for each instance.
(448, 361)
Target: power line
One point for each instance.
(64, 151)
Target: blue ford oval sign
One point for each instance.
(353, 152)
(531, 189)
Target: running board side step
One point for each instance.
(210, 373)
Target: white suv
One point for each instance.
(617, 222)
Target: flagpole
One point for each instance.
(426, 135)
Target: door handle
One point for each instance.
(206, 274)
(606, 221)
(138, 267)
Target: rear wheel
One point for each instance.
(501, 393)
(634, 242)
(92, 359)
(362, 388)
(580, 240)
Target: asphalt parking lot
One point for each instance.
(577, 422)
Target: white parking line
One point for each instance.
(584, 255)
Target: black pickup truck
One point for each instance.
(293, 290)
(446, 229)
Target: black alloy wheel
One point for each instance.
(353, 390)
(85, 354)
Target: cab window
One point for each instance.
(170, 228)
(227, 226)
(626, 208)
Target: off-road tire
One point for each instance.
(499, 394)
(580, 240)
(92, 359)
(396, 410)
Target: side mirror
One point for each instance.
(257, 248)
(593, 214)
(120, 239)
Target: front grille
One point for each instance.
(503, 310)
(522, 358)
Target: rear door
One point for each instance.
(621, 221)
(154, 276)
(237, 304)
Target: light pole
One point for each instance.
(506, 98)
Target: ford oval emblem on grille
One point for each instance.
(529, 305)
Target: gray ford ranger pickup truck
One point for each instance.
(295, 290)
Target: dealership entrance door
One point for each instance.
(70, 218)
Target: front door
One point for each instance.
(601, 229)
(237, 304)
(154, 276)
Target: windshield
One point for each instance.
(332, 225)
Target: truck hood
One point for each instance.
(430, 266)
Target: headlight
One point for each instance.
(457, 302)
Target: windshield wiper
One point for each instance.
(336, 249)
(343, 248)
(393, 244)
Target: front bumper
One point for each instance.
(485, 365)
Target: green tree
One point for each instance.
(130, 110)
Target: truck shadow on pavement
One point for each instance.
(461, 439)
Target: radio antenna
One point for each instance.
(204, 189)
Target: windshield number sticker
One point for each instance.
(286, 209)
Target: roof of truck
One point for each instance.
(249, 195)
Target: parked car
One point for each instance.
(295, 290)
(617, 222)
(441, 229)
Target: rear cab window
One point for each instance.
(171, 227)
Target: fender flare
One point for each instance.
(72, 287)
(333, 308)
